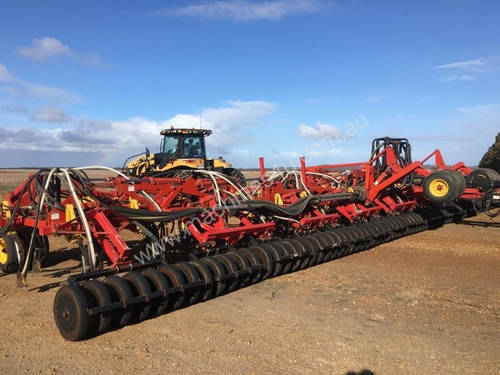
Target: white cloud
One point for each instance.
(124, 138)
(321, 131)
(243, 10)
(52, 115)
(4, 74)
(374, 99)
(451, 78)
(46, 48)
(468, 65)
(18, 87)
(482, 109)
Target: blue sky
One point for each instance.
(93, 82)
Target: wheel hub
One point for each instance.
(439, 187)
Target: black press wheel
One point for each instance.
(119, 290)
(97, 295)
(140, 287)
(70, 313)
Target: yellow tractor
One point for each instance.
(180, 150)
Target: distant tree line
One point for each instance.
(491, 159)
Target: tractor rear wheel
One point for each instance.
(236, 175)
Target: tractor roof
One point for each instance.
(177, 131)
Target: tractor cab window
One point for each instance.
(192, 147)
(170, 146)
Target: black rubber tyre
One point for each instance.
(295, 252)
(9, 261)
(482, 178)
(70, 313)
(174, 279)
(334, 244)
(236, 175)
(348, 240)
(304, 251)
(219, 273)
(243, 265)
(119, 290)
(206, 277)
(158, 283)
(441, 187)
(324, 246)
(312, 249)
(332, 248)
(140, 287)
(317, 249)
(267, 258)
(97, 295)
(231, 269)
(255, 262)
(285, 251)
(195, 293)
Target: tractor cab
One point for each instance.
(180, 149)
(184, 143)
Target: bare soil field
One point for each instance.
(425, 304)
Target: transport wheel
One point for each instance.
(483, 179)
(232, 270)
(9, 260)
(158, 282)
(243, 265)
(140, 287)
(97, 295)
(440, 187)
(70, 313)
(206, 277)
(119, 290)
(194, 294)
(174, 279)
(219, 273)
(460, 182)
(254, 261)
(267, 258)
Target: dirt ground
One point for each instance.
(424, 304)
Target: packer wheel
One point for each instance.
(70, 313)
